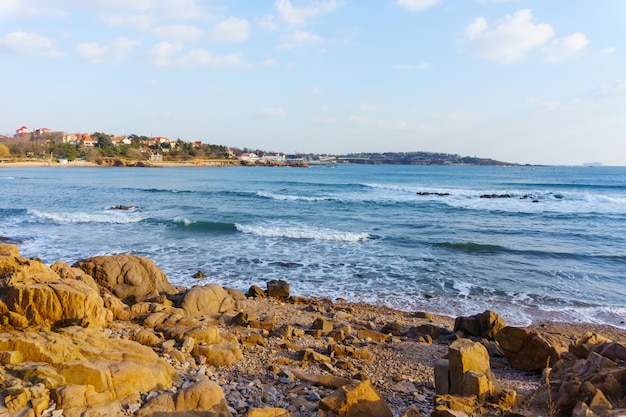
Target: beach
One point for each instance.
(267, 349)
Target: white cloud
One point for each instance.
(161, 54)
(613, 89)
(10, 7)
(608, 51)
(268, 63)
(28, 43)
(27, 8)
(510, 40)
(101, 54)
(140, 21)
(417, 5)
(268, 22)
(199, 57)
(322, 120)
(300, 38)
(179, 32)
(231, 30)
(295, 16)
(365, 107)
(133, 5)
(555, 105)
(566, 47)
(272, 111)
(408, 67)
(184, 9)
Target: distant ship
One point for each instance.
(592, 164)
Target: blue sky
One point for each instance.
(519, 80)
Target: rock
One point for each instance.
(83, 368)
(268, 412)
(340, 351)
(486, 324)
(448, 405)
(425, 330)
(267, 325)
(278, 289)
(442, 377)
(127, 275)
(37, 295)
(394, 329)
(254, 339)
(199, 275)
(205, 395)
(325, 380)
(146, 337)
(528, 350)
(355, 400)
(322, 324)
(373, 335)
(222, 354)
(466, 356)
(309, 355)
(207, 300)
(404, 387)
(256, 292)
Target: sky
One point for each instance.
(526, 81)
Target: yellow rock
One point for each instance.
(356, 400)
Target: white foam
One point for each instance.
(78, 217)
(184, 221)
(301, 232)
(287, 197)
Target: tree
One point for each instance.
(65, 150)
(4, 151)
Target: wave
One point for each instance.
(112, 216)
(287, 197)
(10, 212)
(206, 226)
(472, 247)
(505, 200)
(158, 190)
(479, 248)
(309, 233)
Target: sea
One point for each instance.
(532, 243)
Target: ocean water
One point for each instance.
(417, 238)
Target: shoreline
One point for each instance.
(260, 349)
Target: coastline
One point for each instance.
(265, 348)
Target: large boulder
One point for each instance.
(127, 276)
(34, 291)
(485, 324)
(470, 369)
(358, 399)
(202, 396)
(83, 369)
(207, 300)
(529, 350)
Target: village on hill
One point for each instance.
(44, 144)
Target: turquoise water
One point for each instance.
(555, 248)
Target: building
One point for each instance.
(22, 131)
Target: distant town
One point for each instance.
(44, 144)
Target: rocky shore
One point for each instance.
(110, 336)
